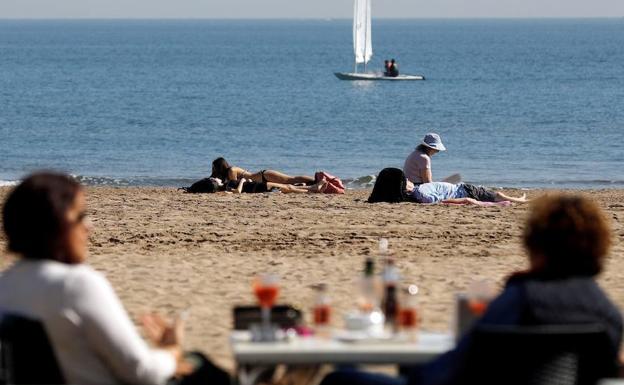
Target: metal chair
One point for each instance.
(26, 356)
(538, 355)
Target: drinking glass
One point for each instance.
(322, 307)
(480, 293)
(266, 289)
(408, 311)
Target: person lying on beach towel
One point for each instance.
(461, 193)
(223, 170)
(392, 186)
(213, 185)
(249, 186)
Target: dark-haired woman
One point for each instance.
(94, 340)
(223, 170)
(392, 186)
(567, 239)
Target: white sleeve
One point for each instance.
(112, 335)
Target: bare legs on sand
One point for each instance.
(278, 177)
(500, 197)
(289, 188)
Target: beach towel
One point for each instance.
(483, 204)
(334, 184)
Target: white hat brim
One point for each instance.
(440, 148)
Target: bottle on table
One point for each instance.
(368, 293)
(390, 302)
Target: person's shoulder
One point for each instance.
(82, 279)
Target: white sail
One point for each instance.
(362, 45)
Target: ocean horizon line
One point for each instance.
(319, 18)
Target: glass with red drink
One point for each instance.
(408, 311)
(480, 293)
(266, 290)
(322, 307)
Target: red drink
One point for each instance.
(477, 307)
(408, 318)
(266, 294)
(322, 315)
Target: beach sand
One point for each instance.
(168, 251)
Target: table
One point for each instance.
(315, 351)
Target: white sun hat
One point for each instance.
(432, 140)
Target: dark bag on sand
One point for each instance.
(205, 185)
(389, 187)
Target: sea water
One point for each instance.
(527, 103)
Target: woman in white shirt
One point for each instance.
(93, 338)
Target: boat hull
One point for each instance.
(378, 76)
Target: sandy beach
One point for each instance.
(169, 251)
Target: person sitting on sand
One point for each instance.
(223, 170)
(250, 187)
(567, 238)
(392, 186)
(417, 166)
(93, 338)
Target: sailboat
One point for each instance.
(363, 47)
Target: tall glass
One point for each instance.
(480, 293)
(266, 289)
(408, 312)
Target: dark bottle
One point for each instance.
(390, 301)
(368, 300)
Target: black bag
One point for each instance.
(205, 185)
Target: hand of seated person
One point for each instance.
(169, 336)
(161, 332)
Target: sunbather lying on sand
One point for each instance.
(223, 170)
(392, 186)
(461, 193)
(250, 187)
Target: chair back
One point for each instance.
(26, 356)
(539, 355)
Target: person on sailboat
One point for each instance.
(394, 69)
(223, 170)
(386, 67)
(417, 167)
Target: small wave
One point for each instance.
(363, 182)
(133, 182)
(6, 183)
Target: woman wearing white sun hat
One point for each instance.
(417, 167)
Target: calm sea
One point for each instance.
(528, 103)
